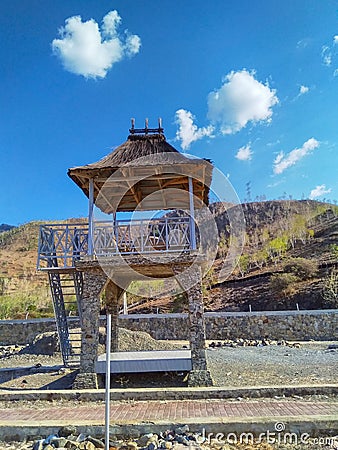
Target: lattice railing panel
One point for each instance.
(60, 245)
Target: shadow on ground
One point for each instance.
(145, 380)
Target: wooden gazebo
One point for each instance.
(145, 173)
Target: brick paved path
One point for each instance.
(167, 411)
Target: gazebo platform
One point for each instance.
(147, 361)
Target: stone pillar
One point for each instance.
(93, 283)
(190, 281)
(113, 294)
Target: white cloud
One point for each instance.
(303, 90)
(86, 50)
(335, 39)
(283, 161)
(318, 191)
(244, 153)
(241, 99)
(133, 44)
(188, 132)
(326, 55)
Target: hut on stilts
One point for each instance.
(144, 174)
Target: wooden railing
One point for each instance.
(60, 245)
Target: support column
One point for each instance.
(190, 281)
(113, 294)
(90, 217)
(93, 283)
(192, 215)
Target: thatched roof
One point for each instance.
(145, 165)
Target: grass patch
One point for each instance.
(22, 306)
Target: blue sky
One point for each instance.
(250, 84)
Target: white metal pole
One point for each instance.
(107, 393)
(125, 303)
(192, 215)
(90, 216)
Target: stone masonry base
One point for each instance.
(197, 378)
(85, 381)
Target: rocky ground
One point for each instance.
(179, 438)
(231, 363)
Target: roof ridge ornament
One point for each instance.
(146, 130)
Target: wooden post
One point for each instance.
(192, 215)
(90, 216)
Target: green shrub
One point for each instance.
(281, 282)
(302, 268)
(330, 290)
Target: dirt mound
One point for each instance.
(132, 341)
(43, 344)
(48, 343)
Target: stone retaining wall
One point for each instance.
(293, 325)
(297, 325)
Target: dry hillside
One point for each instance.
(277, 233)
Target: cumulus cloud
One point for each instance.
(335, 39)
(188, 132)
(240, 100)
(244, 153)
(303, 90)
(318, 191)
(87, 50)
(283, 161)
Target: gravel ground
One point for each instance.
(311, 363)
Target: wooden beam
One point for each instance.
(101, 193)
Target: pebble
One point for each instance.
(151, 446)
(58, 442)
(67, 431)
(97, 442)
(9, 350)
(256, 343)
(182, 430)
(332, 347)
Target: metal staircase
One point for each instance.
(66, 288)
